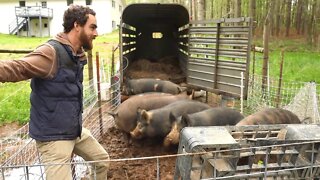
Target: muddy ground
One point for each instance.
(120, 146)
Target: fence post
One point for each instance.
(90, 65)
(216, 58)
(280, 79)
(241, 94)
(2, 172)
(99, 93)
(254, 60)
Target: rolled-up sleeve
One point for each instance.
(40, 63)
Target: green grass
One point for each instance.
(300, 60)
(14, 97)
(298, 66)
(14, 102)
(16, 42)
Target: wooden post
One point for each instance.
(90, 65)
(99, 92)
(266, 34)
(111, 89)
(253, 63)
(112, 62)
(280, 79)
(216, 58)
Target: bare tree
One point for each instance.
(228, 9)
(237, 8)
(316, 25)
(277, 17)
(190, 9)
(201, 10)
(271, 19)
(211, 12)
(288, 17)
(252, 13)
(305, 18)
(194, 6)
(311, 25)
(298, 17)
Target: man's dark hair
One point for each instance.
(76, 13)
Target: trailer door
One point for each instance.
(219, 55)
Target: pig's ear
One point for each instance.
(127, 80)
(114, 114)
(191, 96)
(182, 89)
(172, 118)
(145, 115)
(179, 90)
(139, 113)
(185, 120)
(139, 110)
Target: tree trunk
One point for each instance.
(311, 22)
(283, 10)
(237, 8)
(316, 26)
(228, 9)
(211, 12)
(194, 6)
(288, 18)
(277, 17)
(305, 18)
(252, 13)
(201, 10)
(266, 34)
(190, 9)
(298, 18)
(271, 19)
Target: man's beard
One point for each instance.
(86, 43)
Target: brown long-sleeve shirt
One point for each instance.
(40, 63)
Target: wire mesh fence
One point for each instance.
(302, 98)
(14, 95)
(20, 159)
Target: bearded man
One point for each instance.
(56, 72)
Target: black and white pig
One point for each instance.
(137, 86)
(219, 116)
(270, 116)
(156, 123)
(126, 114)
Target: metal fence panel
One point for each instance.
(216, 41)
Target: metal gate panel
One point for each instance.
(281, 151)
(219, 55)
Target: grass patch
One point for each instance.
(300, 60)
(298, 66)
(18, 42)
(14, 102)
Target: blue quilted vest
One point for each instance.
(56, 104)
